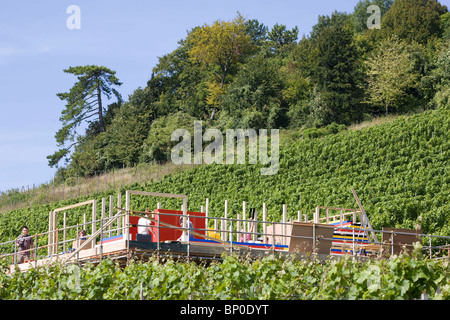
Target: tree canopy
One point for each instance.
(243, 74)
(84, 104)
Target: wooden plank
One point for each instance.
(307, 237)
(364, 218)
(74, 206)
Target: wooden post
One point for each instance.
(64, 231)
(56, 243)
(255, 226)
(94, 217)
(119, 221)
(207, 213)
(50, 229)
(264, 223)
(103, 215)
(127, 216)
(185, 213)
(317, 215)
(238, 228)
(202, 209)
(244, 218)
(111, 205)
(55, 235)
(224, 222)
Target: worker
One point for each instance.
(189, 226)
(24, 243)
(82, 235)
(144, 228)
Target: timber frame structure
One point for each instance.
(114, 235)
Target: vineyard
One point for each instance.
(403, 277)
(399, 169)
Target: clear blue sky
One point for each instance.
(126, 36)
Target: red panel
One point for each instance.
(133, 230)
(174, 219)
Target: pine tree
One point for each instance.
(84, 103)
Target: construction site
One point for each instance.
(332, 232)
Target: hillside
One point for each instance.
(399, 170)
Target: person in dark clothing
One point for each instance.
(24, 243)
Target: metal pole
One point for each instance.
(392, 242)
(430, 246)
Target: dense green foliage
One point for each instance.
(402, 277)
(243, 74)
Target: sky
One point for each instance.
(36, 45)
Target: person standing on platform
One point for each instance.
(24, 243)
(144, 228)
(189, 226)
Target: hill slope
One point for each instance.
(399, 169)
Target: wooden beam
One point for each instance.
(363, 216)
(74, 206)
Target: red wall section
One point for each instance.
(133, 230)
(174, 219)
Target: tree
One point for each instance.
(220, 45)
(84, 102)
(254, 99)
(445, 22)
(257, 31)
(414, 20)
(280, 38)
(390, 74)
(334, 67)
(441, 76)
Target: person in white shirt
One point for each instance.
(144, 226)
(184, 235)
